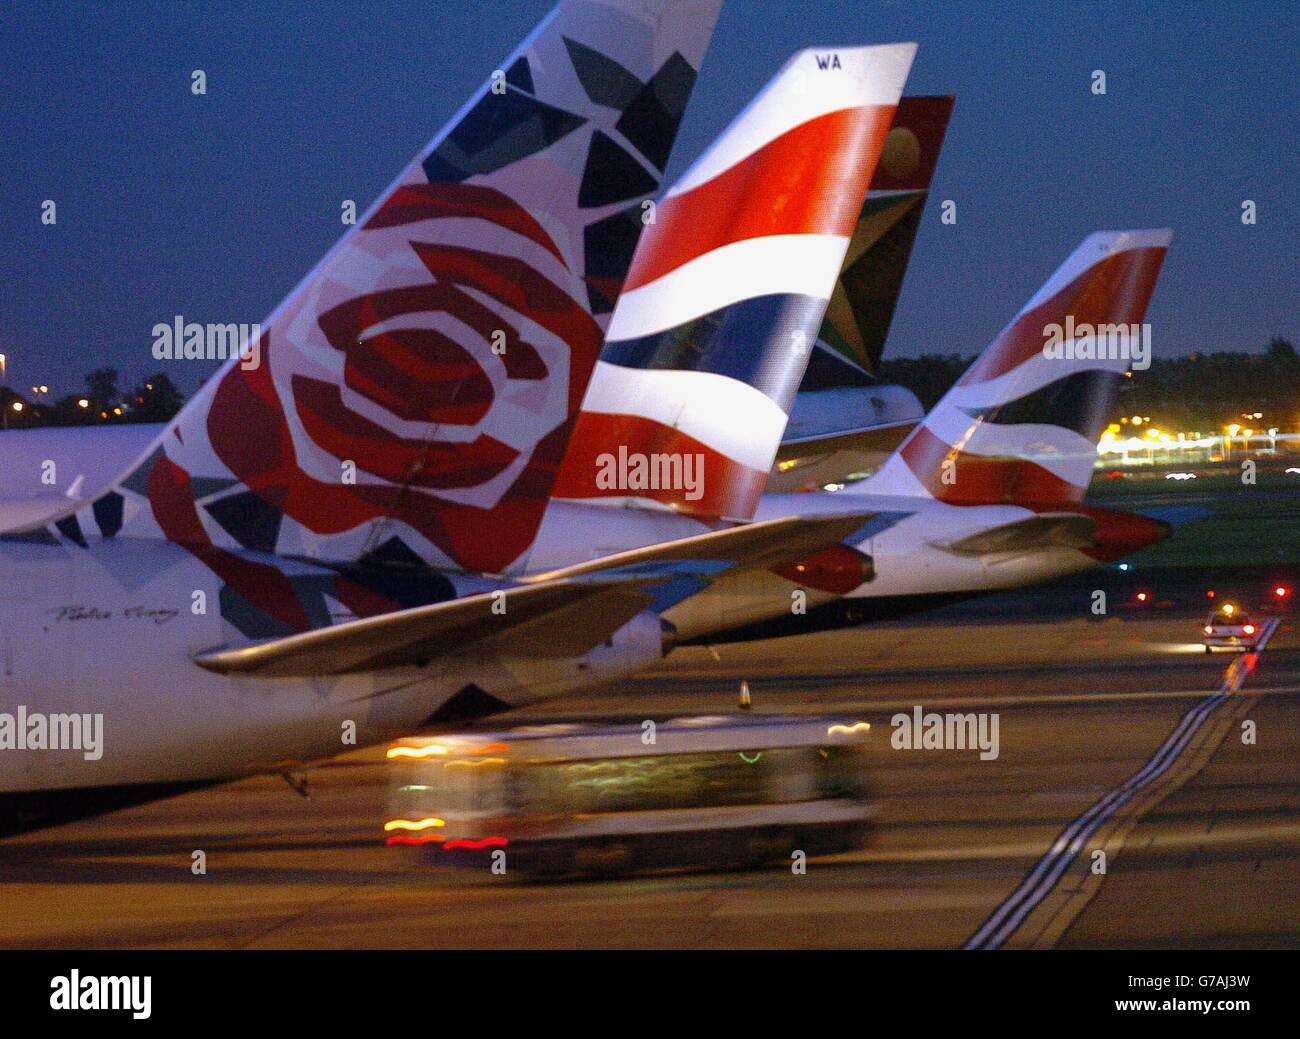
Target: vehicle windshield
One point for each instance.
(640, 783)
(1230, 619)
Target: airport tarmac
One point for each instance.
(1202, 846)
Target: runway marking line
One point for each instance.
(1044, 905)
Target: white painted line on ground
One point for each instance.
(1042, 879)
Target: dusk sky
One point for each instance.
(214, 207)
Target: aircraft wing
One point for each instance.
(21, 514)
(563, 613)
(818, 459)
(416, 636)
(750, 546)
(1049, 530)
(85, 460)
(883, 437)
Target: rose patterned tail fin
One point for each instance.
(413, 396)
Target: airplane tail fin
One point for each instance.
(853, 333)
(728, 289)
(413, 396)
(1021, 425)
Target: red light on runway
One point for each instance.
(1142, 597)
(486, 842)
(1281, 591)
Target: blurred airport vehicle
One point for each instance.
(1230, 627)
(700, 792)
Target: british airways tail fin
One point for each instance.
(1021, 425)
(728, 289)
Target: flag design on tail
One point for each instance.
(416, 391)
(728, 289)
(853, 333)
(1021, 425)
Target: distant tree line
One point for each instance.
(153, 399)
(1196, 392)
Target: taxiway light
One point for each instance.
(486, 842)
(417, 752)
(414, 824)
